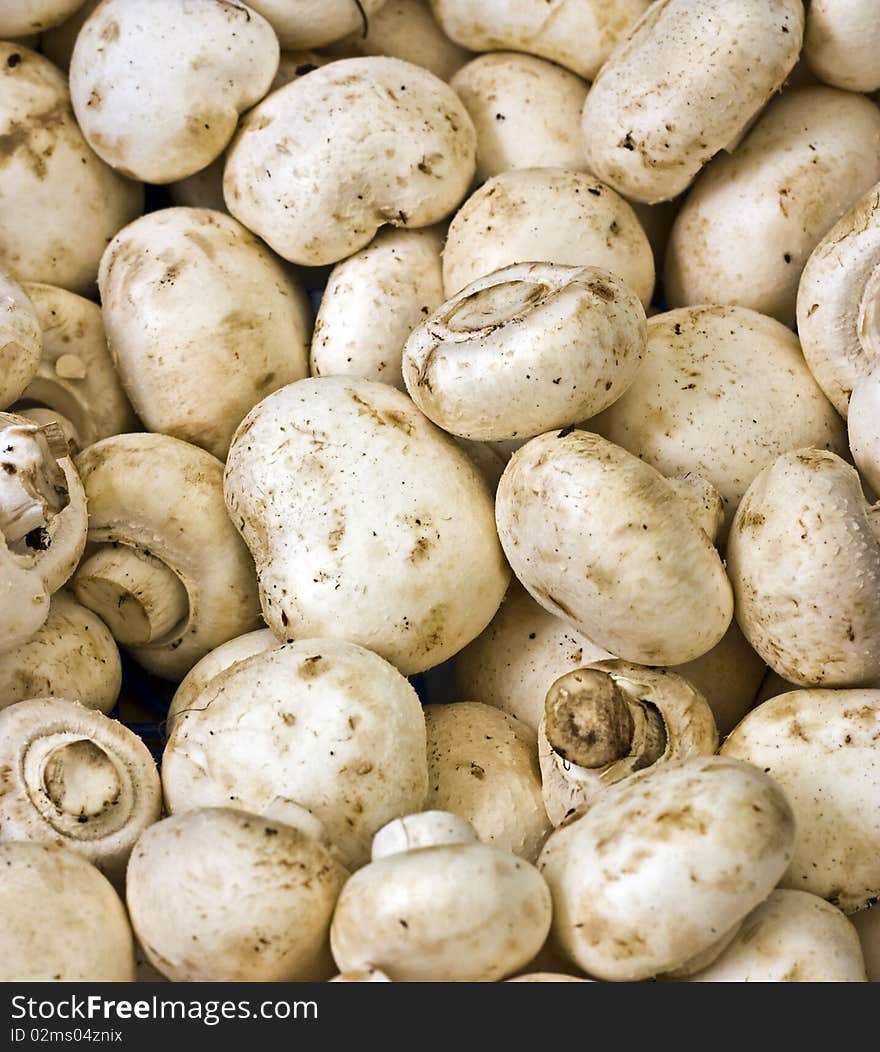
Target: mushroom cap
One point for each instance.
(75, 777)
(751, 221)
(792, 937)
(662, 865)
(721, 393)
(62, 920)
(135, 486)
(321, 723)
(59, 203)
(863, 426)
(314, 23)
(547, 977)
(21, 340)
(199, 64)
(685, 84)
(532, 347)
(22, 17)
(549, 215)
(191, 297)
(377, 141)
(219, 895)
(483, 766)
(601, 539)
(804, 562)
(842, 43)
(365, 521)
(371, 975)
(526, 112)
(821, 747)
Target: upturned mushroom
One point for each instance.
(685, 84)
(483, 767)
(549, 215)
(436, 905)
(662, 868)
(59, 203)
(530, 348)
(190, 298)
(62, 920)
(317, 724)
(365, 142)
(842, 43)
(220, 895)
(217, 60)
(21, 340)
(314, 23)
(166, 570)
(804, 560)
(603, 541)
(365, 521)
(608, 720)
(72, 776)
(821, 746)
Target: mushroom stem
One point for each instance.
(138, 597)
(497, 305)
(33, 487)
(425, 829)
(81, 779)
(590, 722)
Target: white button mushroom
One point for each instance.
(748, 226)
(822, 748)
(199, 64)
(59, 203)
(436, 905)
(577, 34)
(804, 560)
(62, 921)
(547, 215)
(74, 777)
(483, 767)
(219, 895)
(608, 720)
(793, 937)
(842, 43)
(21, 17)
(526, 112)
(191, 298)
(322, 163)
(320, 724)
(21, 340)
(169, 575)
(685, 84)
(313, 23)
(365, 521)
(372, 302)
(530, 348)
(663, 866)
(602, 540)
(722, 391)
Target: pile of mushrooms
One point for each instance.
(439, 477)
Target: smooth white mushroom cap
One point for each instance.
(321, 723)
(323, 162)
(21, 340)
(804, 560)
(365, 521)
(821, 746)
(62, 920)
(219, 895)
(313, 23)
(199, 64)
(192, 298)
(663, 865)
(549, 215)
(59, 203)
(842, 43)
(532, 347)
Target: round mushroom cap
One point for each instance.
(365, 142)
(547, 977)
(62, 920)
(314, 23)
(821, 746)
(602, 540)
(792, 937)
(20, 18)
(532, 347)
(663, 865)
(320, 723)
(842, 43)
(21, 340)
(804, 561)
(191, 298)
(365, 521)
(548, 215)
(721, 393)
(59, 203)
(199, 64)
(219, 895)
